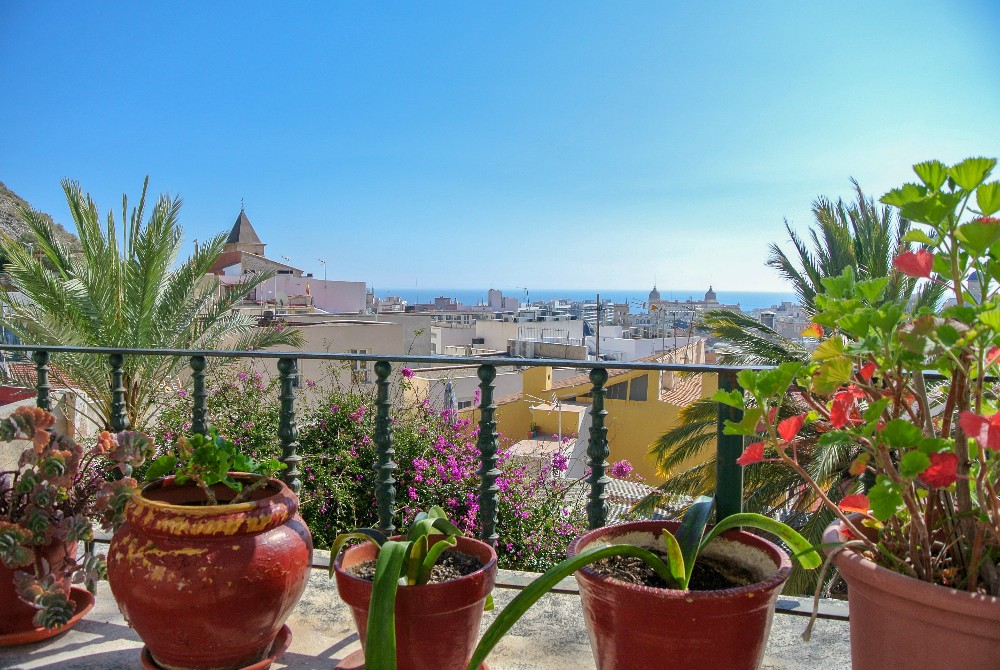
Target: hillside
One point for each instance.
(11, 224)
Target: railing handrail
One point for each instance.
(498, 361)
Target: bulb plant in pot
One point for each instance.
(47, 507)
(912, 397)
(211, 559)
(420, 606)
(658, 593)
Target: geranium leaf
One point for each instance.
(901, 433)
(978, 235)
(932, 173)
(971, 172)
(988, 198)
(832, 374)
(919, 236)
(906, 193)
(913, 463)
(885, 499)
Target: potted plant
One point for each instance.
(921, 554)
(47, 506)
(417, 601)
(211, 559)
(658, 593)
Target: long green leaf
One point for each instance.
(360, 534)
(691, 530)
(380, 642)
(543, 584)
(431, 559)
(802, 550)
(415, 559)
(675, 559)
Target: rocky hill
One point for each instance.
(11, 224)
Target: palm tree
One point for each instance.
(126, 292)
(856, 234)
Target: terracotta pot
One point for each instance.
(209, 586)
(633, 627)
(17, 614)
(899, 622)
(436, 624)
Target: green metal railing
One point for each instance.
(729, 495)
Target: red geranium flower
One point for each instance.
(917, 264)
(942, 472)
(857, 502)
(986, 431)
(754, 453)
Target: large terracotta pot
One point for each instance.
(634, 627)
(436, 624)
(17, 614)
(209, 586)
(901, 623)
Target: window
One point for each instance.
(462, 404)
(359, 369)
(617, 391)
(638, 388)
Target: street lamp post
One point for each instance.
(324, 267)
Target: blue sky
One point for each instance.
(570, 145)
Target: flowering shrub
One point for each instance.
(436, 453)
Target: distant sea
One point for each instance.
(747, 300)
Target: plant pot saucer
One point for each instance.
(278, 647)
(84, 601)
(356, 661)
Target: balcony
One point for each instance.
(552, 635)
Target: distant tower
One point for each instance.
(243, 237)
(495, 299)
(974, 288)
(710, 295)
(654, 295)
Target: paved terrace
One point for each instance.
(552, 636)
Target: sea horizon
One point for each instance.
(747, 300)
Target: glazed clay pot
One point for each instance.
(634, 627)
(209, 586)
(436, 624)
(17, 614)
(903, 623)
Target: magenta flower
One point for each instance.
(406, 372)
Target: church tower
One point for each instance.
(243, 237)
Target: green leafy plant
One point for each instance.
(212, 459)
(400, 562)
(926, 475)
(48, 505)
(681, 551)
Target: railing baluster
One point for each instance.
(597, 452)
(729, 474)
(488, 445)
(119, 418)
(199, 413)
(41, 359)
(385, 492)
(287, 432)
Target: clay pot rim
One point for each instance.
(489, 566)
(784, 564)
(867, 570)
(279, 488)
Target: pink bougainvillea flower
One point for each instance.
(943, 470)
(813, 330)
(866, 371)
(406, 372)
(857, 502)
(915, 264)
(985, 430)
(754, 453)
(790, 427)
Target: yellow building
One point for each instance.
(641, 406)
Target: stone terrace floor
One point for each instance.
(552, 636)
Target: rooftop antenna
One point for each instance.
(241, 204)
